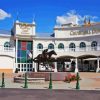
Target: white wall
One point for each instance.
(62, 33)
(88, 40)
(3, 40)
(6, 62)
(69, 31)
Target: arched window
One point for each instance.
(82, 45)
(72, 46)
(61, 46)
(94, 45)
(7, 44)
(50, 46)
(39, 46)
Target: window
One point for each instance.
(7, 44)
(50, 46)
(94, 45)
(24, 51)
(61, 46)
(39, 46)
(72, 46)
(82, 45)
(67, 66)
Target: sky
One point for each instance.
(48, 13)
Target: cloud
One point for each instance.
(74, 18)
(4, 14)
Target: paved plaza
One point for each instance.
(89, 89)
(90, 81)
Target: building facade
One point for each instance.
(77, 48)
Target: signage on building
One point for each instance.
(25, 28)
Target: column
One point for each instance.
(76, 65)
(16, 52)
(35, 68)
(13, 64)
(55, 70)
(98, 64)
(34, 52)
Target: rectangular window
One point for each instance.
(23, 60)
(29, 45)
(18, 53)
(23, 53)
(18, 60)
(23, 44)
(22, 56)
(19, 45)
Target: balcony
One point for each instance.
(77, 51)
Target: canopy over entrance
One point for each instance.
(87, 56)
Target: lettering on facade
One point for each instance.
(79, 32)
(25, 28)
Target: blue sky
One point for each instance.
(47, 12)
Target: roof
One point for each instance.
(43, 34)
(5, 32)
(79, 27)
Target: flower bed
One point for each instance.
(71, 77)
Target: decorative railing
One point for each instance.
(76, 49)
(25, 67)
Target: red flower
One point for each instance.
(70, 78)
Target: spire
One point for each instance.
(17, 18)
(85, 21)
(89, 22)
(33, 22)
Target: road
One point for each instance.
(45, 94)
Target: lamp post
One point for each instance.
(77, 83)
(50, 82)
(3, 83)
(25, 84)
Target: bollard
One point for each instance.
(77, 83)
(50, 82)
(25, 83)
(3, 83)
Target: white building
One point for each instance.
(77, 47)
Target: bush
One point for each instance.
(70, 77)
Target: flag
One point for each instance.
(29, 53)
